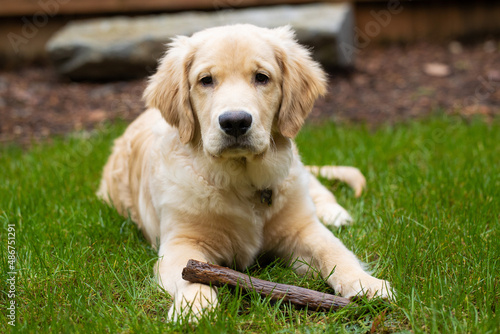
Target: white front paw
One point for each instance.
(332, 214)
(190, 304)
(365, 286)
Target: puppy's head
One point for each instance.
(235, 88)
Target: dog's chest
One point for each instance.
(226, 205)
(243, 219)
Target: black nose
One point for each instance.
(235, 123)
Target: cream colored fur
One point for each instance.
(196, 193)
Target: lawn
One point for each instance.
(428, 223)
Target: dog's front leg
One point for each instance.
(190, 299)
(318, 247)
(303, 237)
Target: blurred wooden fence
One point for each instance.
(376, 21)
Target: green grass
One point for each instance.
(429, 223)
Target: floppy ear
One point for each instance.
(303, 82)
(168, 88)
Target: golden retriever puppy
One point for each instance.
(210, 171)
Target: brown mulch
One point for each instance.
(388, 84)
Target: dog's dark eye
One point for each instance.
(207, 81)
(261, 78)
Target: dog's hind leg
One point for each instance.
(327, 208)
(350, 175)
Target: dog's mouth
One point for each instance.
(235, 148)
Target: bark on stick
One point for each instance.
(204, 273)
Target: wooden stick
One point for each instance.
(200, 272)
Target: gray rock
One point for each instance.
(129, 47)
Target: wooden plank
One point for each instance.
(65, 7)
(431, 21)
